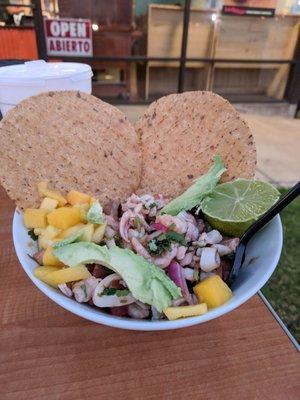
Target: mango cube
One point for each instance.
(83, 209)
(41, 272)
(70, 231)
(59, 276)
(87, 233)
(213, 291)
(64, 217)
(46, 237)
(75, 197)
(99, 233)
(35, 218)
(53, 194)
(49, 204)
(50, 259)
(173, 313)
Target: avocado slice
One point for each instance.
(202, 186)
(95, 214)
(147, 282)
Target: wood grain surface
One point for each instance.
(47, 353)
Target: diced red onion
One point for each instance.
(159, 227)
(176, 273)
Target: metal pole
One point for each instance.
(185, 31)
(39, 29)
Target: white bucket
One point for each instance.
(17, 82)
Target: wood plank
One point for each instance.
(256, 38)
(47, 353)
(278, 84)
(165, 33)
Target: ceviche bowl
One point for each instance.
(262, 256)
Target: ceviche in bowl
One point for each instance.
(145, 259)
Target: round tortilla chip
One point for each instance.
(73, 140)
(180, 134)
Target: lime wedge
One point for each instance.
(233, 206)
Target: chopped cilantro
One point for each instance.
(33, 235)
(122, 293)
(108, 292)
(176, 237)
(158, 245)
(114, 291)
(152, 245)
(152, 205)
(163, 242)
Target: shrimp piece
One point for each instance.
(189, 274)
(147, 198)
(160, 201)
(185, 216)
(153, 235)
(179, 302)
(204, 275)
(222, 250)
(65, 289)
(177, 224)
(181, 252)
(38, 257)
(211, 237)
(138, 310)
(166, 259)
(195, 262)
(209, 259)
(109, 232)
(112, 222)
(231, 243)
(139, 248)
(110, 300)
(192, 230)
(187, 259)
(83, 290)
(131, 202)
(125, 222)
(132, 233)
(143, 222)
(152, 212)
(138, 208)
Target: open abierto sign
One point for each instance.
(69, 37)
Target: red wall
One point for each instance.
(18, 44)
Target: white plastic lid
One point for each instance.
(32, 71)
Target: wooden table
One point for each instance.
(47, 353)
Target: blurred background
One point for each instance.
(245, 50)
(248, 51)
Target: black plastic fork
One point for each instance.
(256, 226)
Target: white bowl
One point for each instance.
(262, 256)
